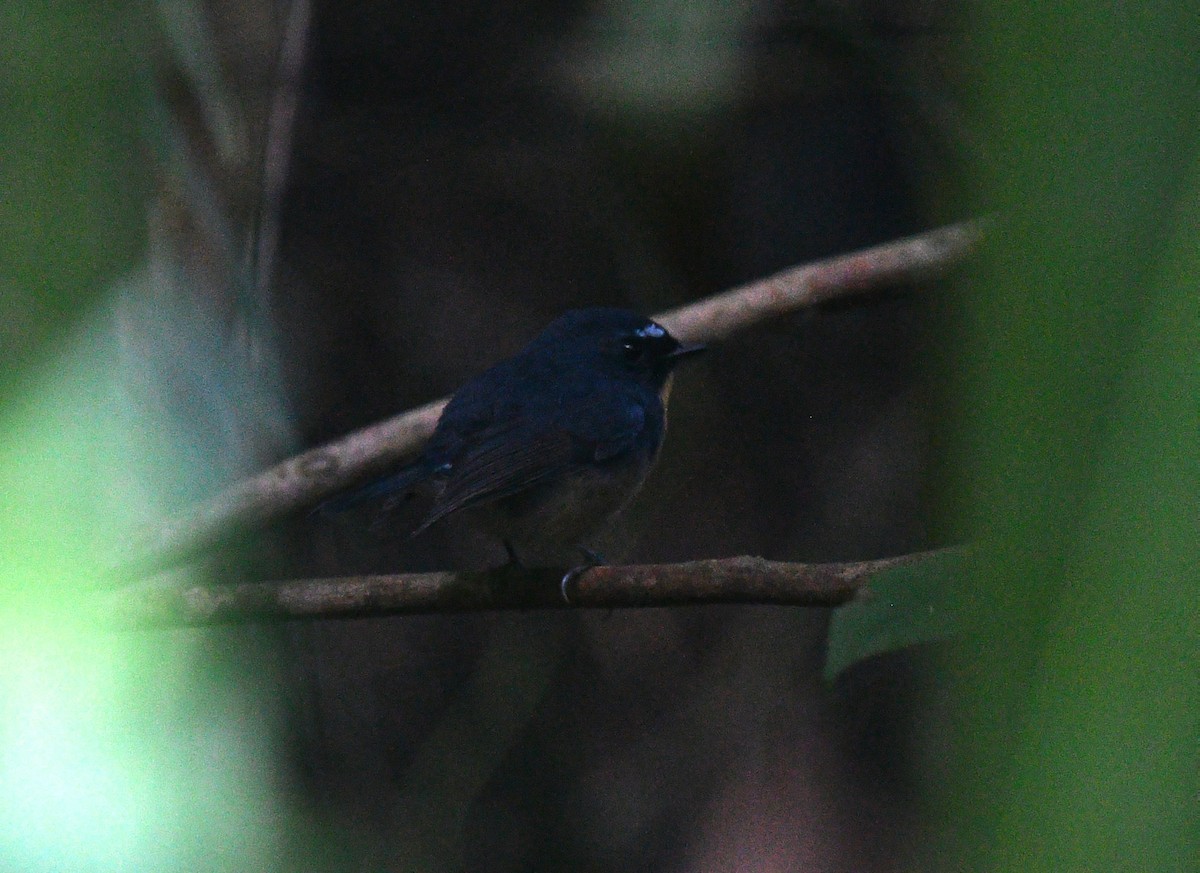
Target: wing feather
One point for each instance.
(505, 459)
(502, 465)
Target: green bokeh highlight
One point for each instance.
(119, 750)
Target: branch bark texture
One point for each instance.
(302, 481)
(726, 580)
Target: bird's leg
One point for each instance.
(591, 558)
(507, 577)
(514, 560)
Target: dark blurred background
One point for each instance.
(232, 230)
(456, 175)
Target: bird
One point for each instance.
(543, 449)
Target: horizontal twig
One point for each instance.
(725, 580)
(304, 480)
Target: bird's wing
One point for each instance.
(508, 458)
(501, 463)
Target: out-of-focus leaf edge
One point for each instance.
(905, 606)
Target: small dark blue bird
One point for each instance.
(544, 448)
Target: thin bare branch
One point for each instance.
(305, 479)
(281, 124)
(906, 260)
(725, 580)
(294, 484)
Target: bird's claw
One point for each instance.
(593, 559)
(569, 577)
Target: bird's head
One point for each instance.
(619, 342)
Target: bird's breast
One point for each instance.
(566, 512)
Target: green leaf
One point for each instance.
(906, 606)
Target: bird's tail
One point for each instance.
(392, 488)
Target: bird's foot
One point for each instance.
(591, 559)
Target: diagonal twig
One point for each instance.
(277, 151)
(303, 480)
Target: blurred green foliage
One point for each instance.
(1076, 404)
(1077, 421)
(118, 751)
(74, 191)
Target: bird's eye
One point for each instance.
(631, 349)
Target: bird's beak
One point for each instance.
(686, 351)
